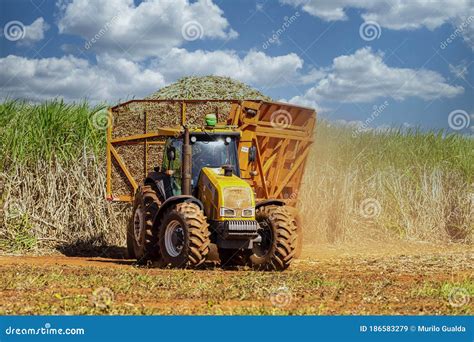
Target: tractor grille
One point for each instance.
(240, 229)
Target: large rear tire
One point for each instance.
(279, 238)
(184, 236)
(142, 244)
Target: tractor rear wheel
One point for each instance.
(184, 236)
(278, 242)
(142, 244)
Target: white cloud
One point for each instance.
(402, 15)
(16, 31)
(303, 101)
(465, 25)
(360, 77)
(74, 78)
(115, 78)
(151, 28)
(395, 14)
(364, 77)
(312, 76)
(255, 68)
(35, 32)
(326, 10)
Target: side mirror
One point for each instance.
(252, 154)
(171, 153)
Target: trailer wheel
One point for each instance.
(278, 239)
(184, 236)
(142, 244)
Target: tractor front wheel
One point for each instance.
(278, 243)
(184, 236)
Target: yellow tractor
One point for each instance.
(202, 197)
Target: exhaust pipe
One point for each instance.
(186, 168)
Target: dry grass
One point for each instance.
(414, 186)
(50, 205)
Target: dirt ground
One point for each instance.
(378, 279)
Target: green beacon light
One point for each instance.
(211, 119)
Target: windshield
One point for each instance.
(207, 151)
(214, 153)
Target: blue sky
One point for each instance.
(371, 64)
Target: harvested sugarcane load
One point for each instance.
(208, 87)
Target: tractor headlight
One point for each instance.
(227, 212)
(249, 212)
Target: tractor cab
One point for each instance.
(228, 201)
(209, 149)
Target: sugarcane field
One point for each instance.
(70, 222)
(246, 170)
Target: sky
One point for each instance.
(370, 64)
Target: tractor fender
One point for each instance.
(161, 184)
(172, 201)
(277, 202)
